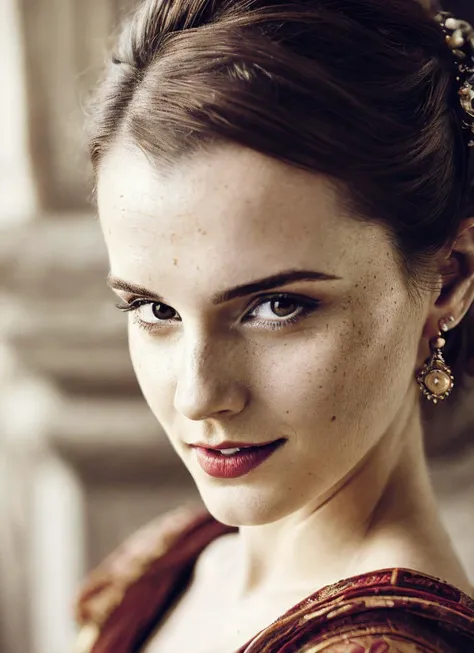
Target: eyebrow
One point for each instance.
(267, 283)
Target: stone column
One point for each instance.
(66, 43)
(17, 187)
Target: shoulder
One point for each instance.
(383, 643)
(387, 611)
(104, 585)
(126, 593)
(374, 644)
(390, 631)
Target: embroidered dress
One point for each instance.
(386, 611)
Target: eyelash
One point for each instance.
(308, 306)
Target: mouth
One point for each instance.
(228, 447)
(232, 460)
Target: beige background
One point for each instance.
(82, 461)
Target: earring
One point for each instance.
(436, 379)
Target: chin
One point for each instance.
(241, 505)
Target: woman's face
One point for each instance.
(322, 363)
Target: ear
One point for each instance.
(456, 281)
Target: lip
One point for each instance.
(219, 465)
(228, 444)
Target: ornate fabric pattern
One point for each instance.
(386, 611)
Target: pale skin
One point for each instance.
(349, 491)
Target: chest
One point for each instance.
(197, 624)
(195, 637)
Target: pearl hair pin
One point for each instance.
(460, 40)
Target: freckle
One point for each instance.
(320, 387)
(287, 412)
(365, 287)
(333, 418)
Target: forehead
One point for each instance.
(225, 211)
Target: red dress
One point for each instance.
(386, 611)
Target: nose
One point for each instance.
(209, 380)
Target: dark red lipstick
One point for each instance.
(232, 459)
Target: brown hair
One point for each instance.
(361, 91)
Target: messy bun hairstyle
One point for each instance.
(361, 91)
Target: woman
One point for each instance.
(285, 193)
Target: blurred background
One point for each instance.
(82, 461)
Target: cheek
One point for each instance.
(154, 370)
(373, 368)
(344, 385)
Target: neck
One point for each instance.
(383, 515)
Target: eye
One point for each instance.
(155, 312)
(149, 313)
(283, 307)
(278, 311)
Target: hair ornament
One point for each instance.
(460, 40)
